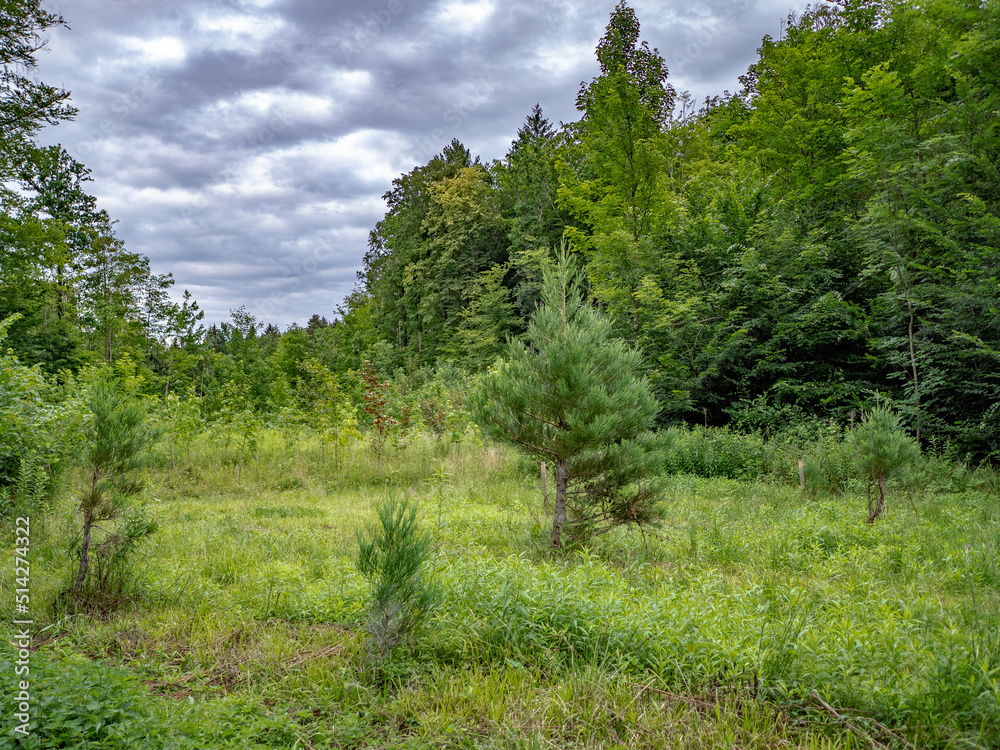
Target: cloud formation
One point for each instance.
(244, 145)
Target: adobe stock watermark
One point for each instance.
(364, 33)
(266, 134)
(295, 276)
(258, 139)
(22, 624)
(706, 38)
(125, 104)
(454, 116)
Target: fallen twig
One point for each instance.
(673, 696)
(639, 694)
(843, 720)
(328, 651)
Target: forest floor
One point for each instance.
(755, 617)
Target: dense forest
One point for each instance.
(780, 254)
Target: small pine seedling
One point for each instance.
(390, 557)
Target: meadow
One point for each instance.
(759, 615)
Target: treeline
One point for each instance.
(780, 255)
(82, 297)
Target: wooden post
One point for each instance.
(802, 476)
(545, 489)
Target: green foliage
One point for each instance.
(706, 452)
(619, 193)
(884, 450)
(850, 113)
(331, 413)
(391, 557)
(382, 425)
(443, 228)
(38, 429)
(76, 703)
(488, 320)
(181, 422)
(79, 703)
(573, 398)
(827, 232)
(241, 423)
(441, 404)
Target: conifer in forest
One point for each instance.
(572, 396)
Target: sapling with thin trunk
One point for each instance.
(572, 396)
(377, 409)
(883, 449)
(115, 452)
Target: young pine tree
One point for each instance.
(390, 557)
(573, 398)
(114, 454)
(883, 449)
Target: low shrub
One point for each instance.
(710, 452)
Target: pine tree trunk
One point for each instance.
(559, 514)
(81, 576)
(879, 504)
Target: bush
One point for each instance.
(36, 434)
(710, 452)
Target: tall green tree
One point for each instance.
(415, 306)
(26, 104)
(529, 186)
(32, 242)
(489, 319)
(618, 188)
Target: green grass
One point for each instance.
(755, 617)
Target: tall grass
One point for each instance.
(757, 616)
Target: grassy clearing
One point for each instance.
(754, 618)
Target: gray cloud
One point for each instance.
(244, 144)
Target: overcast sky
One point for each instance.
(244, 145)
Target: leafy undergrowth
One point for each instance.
(753, 618)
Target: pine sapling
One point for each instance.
(391, 556)
(883, 449)
(115, 452)
(572, 397)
